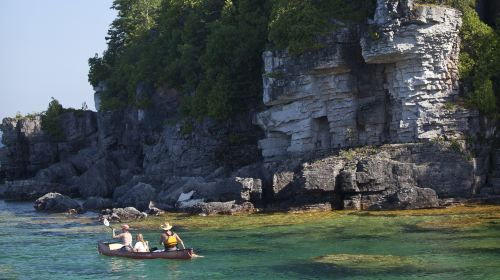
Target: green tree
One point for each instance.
(50, 119)
(479, 61)
(232, 61)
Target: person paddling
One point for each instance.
(126, 238)
(170, 239)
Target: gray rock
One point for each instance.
(30, 149)
(56, 202)
(122, 214)
(221, 190)
(139, 197)
(412, 198)
(85, 158)
(225, 208)
(60, 172)
(79, 128)
(99, 180)
(404, 176)
(97, 203)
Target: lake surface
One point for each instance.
(303, 246)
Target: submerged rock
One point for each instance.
(371, 262)
(56, 202)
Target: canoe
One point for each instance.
(103, 248)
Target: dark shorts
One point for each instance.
(126, 249)
(170, 248)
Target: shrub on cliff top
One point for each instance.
(50, 119)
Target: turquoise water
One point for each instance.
(56, 246)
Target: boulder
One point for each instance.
(56, 202)
(122, 214)
(99, 180)
(97, 203)
(138, 196)
(412, 198)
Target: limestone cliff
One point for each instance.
(392, 81)
(385, 83)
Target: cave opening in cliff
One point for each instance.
(321, 133)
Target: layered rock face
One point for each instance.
(397, 176)
(29, 149)
(387, 83)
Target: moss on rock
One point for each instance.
(371, 262)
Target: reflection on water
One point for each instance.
(344, 246)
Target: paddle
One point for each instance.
(106, 223)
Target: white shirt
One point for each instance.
(140, 247)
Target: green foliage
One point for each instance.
(450, 106)
(50, 119)
(231, 62)
(143, 103)
(18, 116)
(276, 75)
(455, 146)
(483, 96)
(480, 59)
(209, 50)
(29, 116)
(296, 24)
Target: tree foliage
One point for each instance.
(479, 59)
(50, 119)
(296, 24)
(210, 50)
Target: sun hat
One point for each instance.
(125, 226)
(166, 226)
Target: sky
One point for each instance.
(44, 48)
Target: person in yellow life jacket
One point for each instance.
(170, 239)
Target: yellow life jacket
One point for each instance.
(171, 241)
